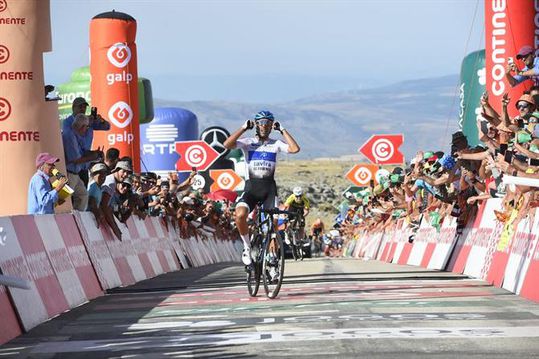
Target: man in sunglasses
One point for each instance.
(530, 70)
(261, 156)
(118, 177)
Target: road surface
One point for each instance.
(327, 308)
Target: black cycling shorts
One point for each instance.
(258, 191)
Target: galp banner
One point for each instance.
(383, 149)
(113, 66)
(195, 154)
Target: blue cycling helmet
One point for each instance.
(264, 114)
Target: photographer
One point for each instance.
(95, 122)
(77, 159)
(529, 71)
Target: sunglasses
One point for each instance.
(125, 185)
(264, 122)
(522, 105)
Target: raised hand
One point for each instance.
(248, 125)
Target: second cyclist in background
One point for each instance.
(299, 203)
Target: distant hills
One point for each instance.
(335, 124)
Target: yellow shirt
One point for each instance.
(303, 202)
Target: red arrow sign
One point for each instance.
(383, 149)
(224, 179)
(195, 154)
(362, 174)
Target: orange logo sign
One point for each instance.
(224, 179)
(362, 174)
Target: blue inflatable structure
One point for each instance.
(157, 138)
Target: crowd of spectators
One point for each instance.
(103, 182)
(438, 185)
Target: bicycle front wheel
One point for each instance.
(254, 271)
(273, 266)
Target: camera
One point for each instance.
(93, 113)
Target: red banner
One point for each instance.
(509, 25)
(195, 154)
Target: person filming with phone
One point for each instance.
(530, 71)
(96, 123)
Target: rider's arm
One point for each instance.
(293, 146)
(306, 206)
(230, 142)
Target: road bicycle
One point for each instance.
(267, 253)
(293, 231)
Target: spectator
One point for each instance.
(41, 195)
(95, 122)
(529, 71)
(119, 174)
(124, 200)
(111, 158)
(98, 173)
(77, 159)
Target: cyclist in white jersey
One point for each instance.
(261, 156)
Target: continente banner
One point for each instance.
(28, 124)
(472, 86)
(113, 69)
(509, 25)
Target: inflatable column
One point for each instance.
(509, 25)
(472, 86)
(113, 67)
(28, 124)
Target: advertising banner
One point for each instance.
(509, 25)
(472, 86)
(28, 124)
(113, 66)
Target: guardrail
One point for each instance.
(487, 249)
(65, 260)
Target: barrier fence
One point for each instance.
(67, 260)
(486, 249)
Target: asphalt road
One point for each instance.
(327, 308)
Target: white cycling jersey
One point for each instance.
(261, 157)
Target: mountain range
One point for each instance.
(336, 124)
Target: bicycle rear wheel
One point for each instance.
(273, 266)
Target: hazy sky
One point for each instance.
(218, 48)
